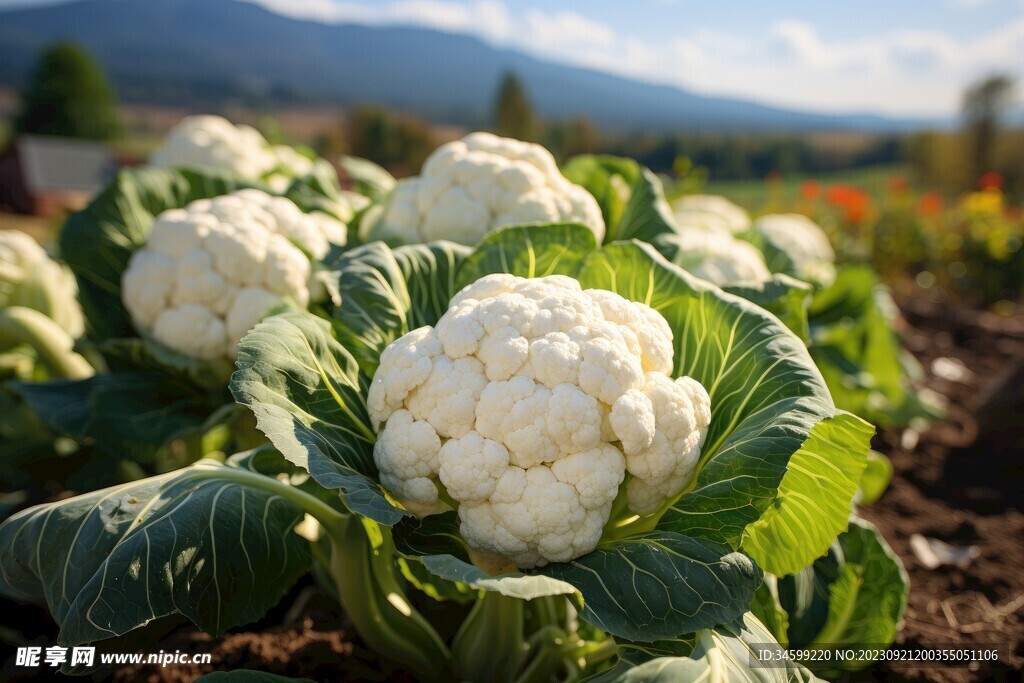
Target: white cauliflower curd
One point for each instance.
(710, 212)
(208, 142)
(30, 278)
(718, 257)
(804, 243)
(527, 405)
(469, 187)
(212, 270)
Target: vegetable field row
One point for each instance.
(517, 422)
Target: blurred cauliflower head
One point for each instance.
(30, 278)
(213, 143)
(710, 212)
(482, 182)
(718, 257)
(528, 405)
(212, 270)
(803, 242)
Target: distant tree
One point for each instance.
(566, 139)
(333, 142)
(984, 105)
(513, 114)
(398, 142)
(68, 94)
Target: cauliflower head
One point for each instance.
(710, 212)
(469, 187)
(208, 142)
(527, 405)
(719, 257)
(212, 270)
(30, 278)
(804, 243)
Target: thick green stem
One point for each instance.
(489, 645)
(365, 576)
(545, 656)
(593, 654)
(20, 325)
(373, 599)
(634, 524)
(547, 612)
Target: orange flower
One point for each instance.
(931, 203)
(839, 195)
(810, 190)
(855, 203)
(990, 180)
(857, 211)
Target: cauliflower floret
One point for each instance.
(471, 466)
(652, 330)
(213, 143)
(211, 271)
(718, 257)
(408, 455)
(712, 213)
(469, 187)
(666, 461)
(448, 397)
(314, 232)
(804, 243)
(30, 278)
(542, 398)
(404, 365)
(192, 327)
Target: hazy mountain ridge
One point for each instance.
(202, 51)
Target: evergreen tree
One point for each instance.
(984, 105)
(513, 114)
(68, 95)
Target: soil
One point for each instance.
(313, 642)
(960, 480)
(306, 636)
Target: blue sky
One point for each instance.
(901, 57)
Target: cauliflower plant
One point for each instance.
(210, 142)
(803, 242)
(718, 257)
(212, 270)
(710, 212)
(482, 182)
(527, 405)
(30, 278)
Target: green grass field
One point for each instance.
(759, 195)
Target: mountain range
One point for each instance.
(205, 52)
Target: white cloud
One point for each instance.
(489, 18)
(904, 72)
(566, 28)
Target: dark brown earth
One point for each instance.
(314, 641)
(962, 482)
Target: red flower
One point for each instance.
(990, 181)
